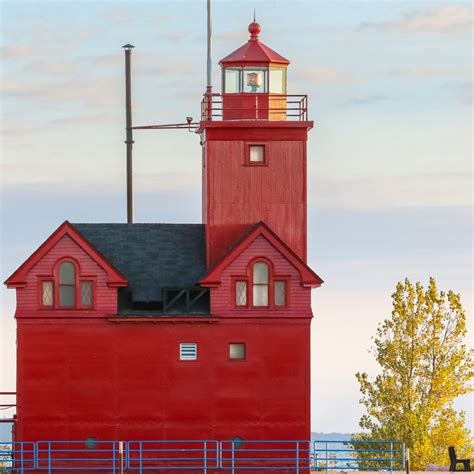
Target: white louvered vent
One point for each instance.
(188, 351)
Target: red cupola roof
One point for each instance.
(253, 52)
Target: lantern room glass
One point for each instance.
(232, 81)
(277, 82)
(255, 80)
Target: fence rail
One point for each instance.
(358, 455)
(229, 456)
(216, 107)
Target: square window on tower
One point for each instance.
(257, 154)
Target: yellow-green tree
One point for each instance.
(425, 366)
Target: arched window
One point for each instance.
(260, 288)
(260, 277)
(67, 285)
(67, 289)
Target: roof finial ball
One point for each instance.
(254, 30)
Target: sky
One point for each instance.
(389, 86)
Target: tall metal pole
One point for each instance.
(129, 137)
(209, 45)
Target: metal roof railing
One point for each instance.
(273, 107)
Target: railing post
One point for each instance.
(219, 447)
(22, 458)
(233, 463)
(208, 100)
(327, 459)
(205, 457)
(113, 457)
(49, 457)
(35, 455)
(391, 457)
(121, 454)
(140, 457)
(297, 457)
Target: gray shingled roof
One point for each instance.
(151, 256)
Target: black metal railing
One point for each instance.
(273, 107)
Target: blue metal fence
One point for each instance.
(78, 455)
(17, 456)
(177, 455)
(230, 456)
(358, 455)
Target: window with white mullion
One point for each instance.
(47, 293)
(86, 293)
(279, 293)
(260, 284)
(67, 285)
(241, 293)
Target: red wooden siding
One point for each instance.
(237, 195)
(94, 378)
(298, 297)
(29, 296)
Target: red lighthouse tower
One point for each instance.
(143, 333)
(254, 138)
(254, 142)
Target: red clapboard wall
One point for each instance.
(237, 194)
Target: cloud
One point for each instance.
(424, 190)
(417, 72)
(323, 75)
(467, 91)
(44, 67)
(464, 90)
(367, 100)
(116, 15)
(22, 51)
(157, 19)
(88, 32)
(449, 18)
(92, 93)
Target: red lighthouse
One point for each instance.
(182, 331)
(254, 165)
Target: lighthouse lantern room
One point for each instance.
(254, 81)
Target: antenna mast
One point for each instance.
(209, 47)
(129, 137)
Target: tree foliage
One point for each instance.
(425, 367)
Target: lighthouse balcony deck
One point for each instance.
(259, 106)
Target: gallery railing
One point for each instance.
(204, 456)
(273, 107)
